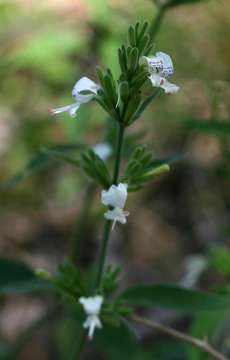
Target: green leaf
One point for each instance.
(147, 102)
(142, 168)
(132, 36)
(175, 297)
(171, 3)
(17, 277)
(143, 31)
(110, 279)
(40, 161)
(116, 342)
(70, 280)
(204, 325)
(110, 88)
(124, 91)
(36, 164)
(95, 168)
(209, 127)
(131, 109)
(60, 155)
(219, 258)
(133, 59)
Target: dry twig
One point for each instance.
(200, 344)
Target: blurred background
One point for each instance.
(178, 228)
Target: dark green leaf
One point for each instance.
(175, 297)
(204, 325)
(95, 168)
(143, 30)
(219, 258)
(132, 36)
(60, 155)
(133, 59)
(17, 277)
(147, 102)
(171, 3)
(37, 163)
(124, 91)
(209, 127)
(41, 160)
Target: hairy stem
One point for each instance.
(108, 223)
(200, 344)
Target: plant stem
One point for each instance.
(108, 223)
(197, 343)
(82, 225)
(77, 352)
(155, 25)
(103, 250)
(118, 153)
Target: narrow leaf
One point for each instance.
(17, 277)
(175, 297)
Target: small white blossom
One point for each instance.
(103, 150)
(84, 84)
(160, 67)
(117, 214)
(115, 197)
(92, 307)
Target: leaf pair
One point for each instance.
(141, 168)
(95, 168)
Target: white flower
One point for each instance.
(116, 197)
(160, 67)
(92, 306)
(103, 150)
(117, 214)
(84, 84)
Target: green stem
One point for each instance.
(103, 251)
(82, 225)
(108, 223)
(155, 25)
(105, 239)
(118, 153)
(77, 352)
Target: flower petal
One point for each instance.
(160, 64)
(116, 195)
(92, 305)
(117, 214)
(158, 81)
(71, 109)
(103, 150)
(169, 88)
(85, 84)
(167, 64)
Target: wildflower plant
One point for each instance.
(95, 293)
(124, 102)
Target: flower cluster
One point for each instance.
(160, 68)
(115, 197)
(92, 307)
